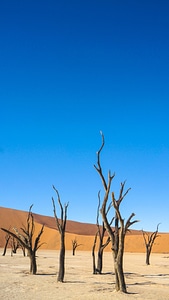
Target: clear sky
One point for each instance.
(69, 69)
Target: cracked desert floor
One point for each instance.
(143, 282)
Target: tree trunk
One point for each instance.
(147, 256)
(62, 260)
(118, 261)
(100, 261)
(33, 265)
(94, 265)
(120, 283)
(6, 244)
(23, 250)
(93, 255)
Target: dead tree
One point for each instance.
(61, 226)
(117, 235)
(27, 239)
(102, 245)
(75, 245)
(149, 239)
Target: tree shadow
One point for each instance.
(156, 275)
(46, 274)
(74, 281)
(105, 273)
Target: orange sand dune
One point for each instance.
(83, 232)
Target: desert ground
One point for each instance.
(143, 282)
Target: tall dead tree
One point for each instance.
(149, 239)
(27, 239)
(61, 226)
(100, 235)
(117, 235)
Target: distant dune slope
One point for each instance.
(83, 232)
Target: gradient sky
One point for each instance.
(69, 69)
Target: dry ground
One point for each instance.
(143, 282)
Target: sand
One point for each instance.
(143, 282)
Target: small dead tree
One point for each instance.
(149, 239)
(117, 235)
(102, 245)
(61, 226)
(27, 239)
(74, 246)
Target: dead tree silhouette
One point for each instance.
(149, 239)
(117, 235)
(74, 246)
(27, 239)
(61, 226)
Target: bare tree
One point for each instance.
(26, 239)
(117, 235)
(75, 245)
(149, 239)
(102, 245)
(61, 226)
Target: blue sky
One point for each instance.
(68, 70)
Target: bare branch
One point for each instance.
(121, 195)
(116, 206)
(60, 204)
(129, 222)
(98, 167)
(55, 215)
(38, 239)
